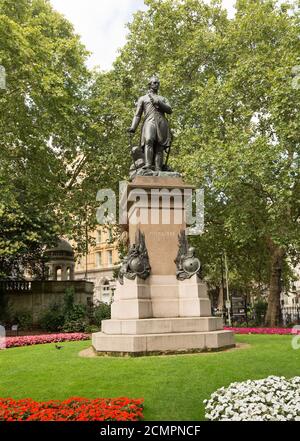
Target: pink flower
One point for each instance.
(11, 342)
(278, 331)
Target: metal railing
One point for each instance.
(290, 315)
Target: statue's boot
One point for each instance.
(159, 159)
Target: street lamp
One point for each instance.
(228, 302)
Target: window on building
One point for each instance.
(106, 292)
(98, 260)
(99, 236)
(109, 257)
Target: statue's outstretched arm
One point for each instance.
(137, 116)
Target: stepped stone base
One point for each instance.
(161, 343)
(162, 325)
(172, 335)
(161, 315)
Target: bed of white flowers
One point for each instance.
(269, 399)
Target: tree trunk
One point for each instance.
(273, 317)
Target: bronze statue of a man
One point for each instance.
(156, 135)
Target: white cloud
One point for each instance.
(102, 24)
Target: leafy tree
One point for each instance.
(42, 115)
(236, 124)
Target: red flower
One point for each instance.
(72, 409)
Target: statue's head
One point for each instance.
(154, 83)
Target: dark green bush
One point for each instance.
(74, 326)
(259, 311)
(89, 329)
(75, 316)
(52, 319)
(5, 309)
(23, 318)
(71, 317)
(101, 311)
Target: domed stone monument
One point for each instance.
(60, 261)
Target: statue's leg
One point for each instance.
(149, 136)
(159, 157)
(148, 154)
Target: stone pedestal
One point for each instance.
(160, 314)
(159, 214)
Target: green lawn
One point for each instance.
(173, 386)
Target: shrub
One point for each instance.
(269, 399)
(5, 309)
(68, 317)
(259, 311)
(101, 311)
(89, 329)
(77, 312)
(52, 319)
(74, 326)
(71, 317)
(23, 318)
(75, 316)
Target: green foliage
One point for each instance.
(41, 121)
(101, 311)
(8, 317)
(260, 309)
(68, 317)
(75, 315)
(23, 318)
(5, 308)
(249, 324)
(72, 317)
(74, 326)
(52, 319)
(89, 329)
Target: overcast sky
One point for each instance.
(101, 24)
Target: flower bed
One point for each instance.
(11, 342)
(73, 409)
(279, 331)
(269, 399)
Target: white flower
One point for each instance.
(269, 399)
